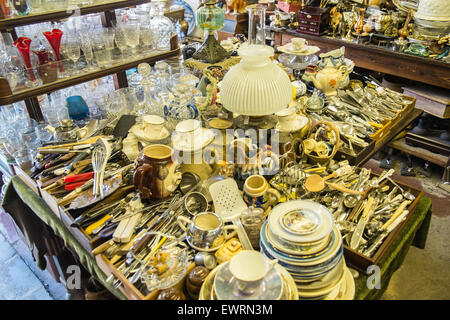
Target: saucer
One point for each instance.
(300, 221)
(297, 125)
(321, 215)
(192, 141)
(290, 291)
(226, 286)
(304, 51)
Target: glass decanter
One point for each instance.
(163, 78)
(163, 26)
(151, 104)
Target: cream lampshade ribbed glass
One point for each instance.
(256, 86)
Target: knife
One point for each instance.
(384, 233)
(359, 230)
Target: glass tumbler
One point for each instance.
(101, 53)
(132, 34)
(42, 133)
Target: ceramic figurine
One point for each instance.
(360, 22)
(374, 3)
(392, 27)
(236, 6)
(211, 82)
(336, 18)
(228, 250)
(404, 32)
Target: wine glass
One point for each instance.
(36, 6)
(72, 50)
(86, 46)
(120, 39)
(132, 30)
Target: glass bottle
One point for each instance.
(151, 103)
(163, 75)
(163, 26)
(252, 220)
(256, 25)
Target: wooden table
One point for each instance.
(426, 70)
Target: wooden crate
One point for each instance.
(126, 287)
(50, 201)
(362, 262)
(27, 179)
(361, 153)
(382, 132)
(83, 238)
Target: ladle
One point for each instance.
(316, 183)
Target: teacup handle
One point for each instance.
(272, 264)
(274, 194)
(231, 234)
(183, 222)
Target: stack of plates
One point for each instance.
(302, 236)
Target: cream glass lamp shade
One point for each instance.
(256, 86)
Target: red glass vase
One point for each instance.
(23, 45)
(54, 38)
(47, 68)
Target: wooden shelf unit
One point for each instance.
(371, 57)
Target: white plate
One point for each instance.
(279, 211)
(293, 249)
(321, 292)
(297, 261)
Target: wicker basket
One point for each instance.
(324, 160)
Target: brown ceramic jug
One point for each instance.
(155, 173)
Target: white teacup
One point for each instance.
(299, 43)
(250, 267)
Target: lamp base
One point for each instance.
(256, 122)
(211, 51)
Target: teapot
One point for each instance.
(329, 79)
(65, 132)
